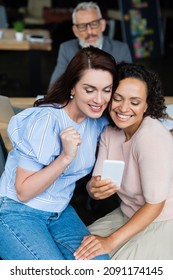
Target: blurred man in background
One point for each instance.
(88, 27)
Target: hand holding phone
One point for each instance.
(113, 170)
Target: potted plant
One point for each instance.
(19, 27)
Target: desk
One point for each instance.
(28, 102)
(9, 43)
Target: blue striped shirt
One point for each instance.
(34, 134)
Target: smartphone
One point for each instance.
(113, 170)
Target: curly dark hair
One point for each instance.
(155, 99)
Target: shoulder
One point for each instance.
(69, 44)
(31, 132)
(152, 131)
(68, 50)
(153, 126)
(37, 122)
(114, 43)
(36, 116)
(120, 50)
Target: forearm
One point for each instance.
(140, 220)
(31, 184)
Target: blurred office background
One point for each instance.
(55, 16)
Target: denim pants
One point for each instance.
(30, 234)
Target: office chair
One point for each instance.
(7, 110)
(110, 28)
(3, 155)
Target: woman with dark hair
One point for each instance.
(54, 145)
(142, 227)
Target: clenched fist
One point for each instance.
(70, 141)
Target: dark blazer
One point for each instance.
(67, 50)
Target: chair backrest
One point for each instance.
(3, 17)
(3, 155)
(6, 109)
(110, 28)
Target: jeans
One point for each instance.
(30, 234)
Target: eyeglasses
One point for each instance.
(93, 25)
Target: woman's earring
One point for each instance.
(71, 96)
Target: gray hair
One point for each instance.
(84, 6)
